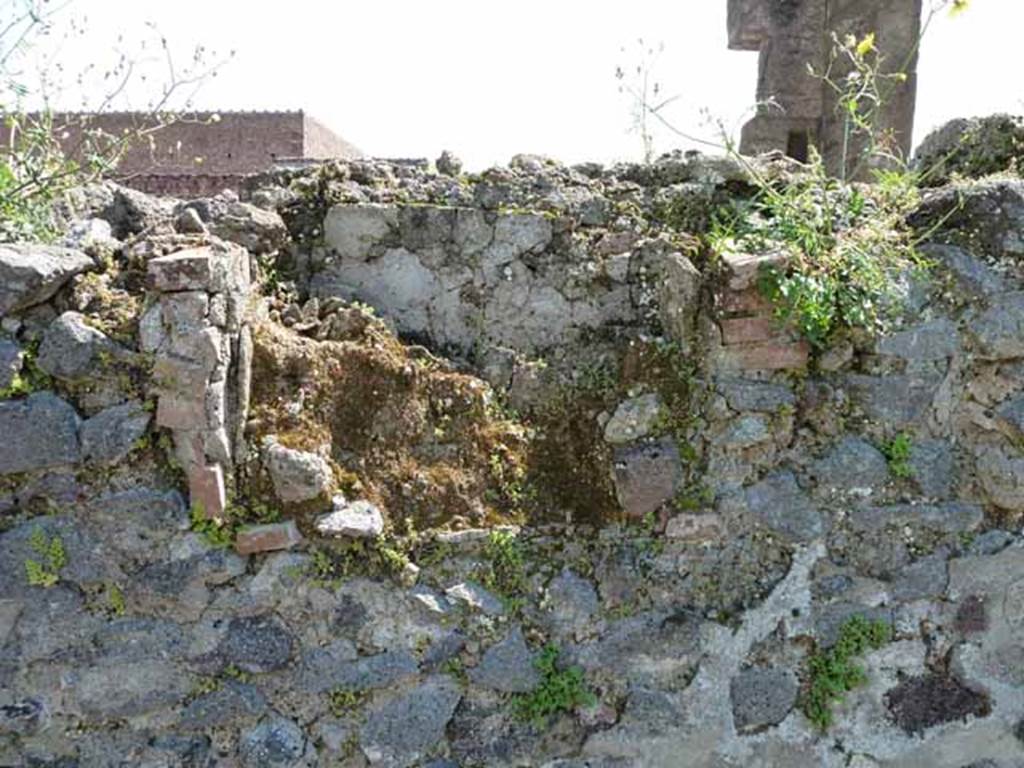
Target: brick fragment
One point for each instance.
(176, 412)
(749, 301)
(745, 268)
(770, 356)
(745, 330)
(206, 489)
(267, 538)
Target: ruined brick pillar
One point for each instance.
(197, 330)
(796, 110)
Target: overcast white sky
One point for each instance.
(408, 78)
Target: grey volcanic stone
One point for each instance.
(761, 697)
(1002, 478)
(130, 212)
(448, 164)
(23, 717)
(948, 517)
(230, 702)
(131, 639)
(784, 507)
(633, 419)
(336, 666)
(573, 602)
(935, 340)
(990, 542)
(275, 743)
(189, 221)
(353, 230)
(852, 465)
(297, 475)
(646, 476)
(111, 434)
(31, 273)
(131, 688)
(931, 465)
(359, 519)
(926, 578)
(745, 432)
(473, 595)
(972, 274)
(401, 731)
(1012, 412)
(971, 148)
(755, 396)
(73, 350)
(998, 332)
(508, 666)
(256, 644)
(39, 432)
(260, 232)
(894, 400)
(990, 211)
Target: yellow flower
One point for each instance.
(867, 45)
(958, 7)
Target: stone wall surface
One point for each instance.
(326, 477)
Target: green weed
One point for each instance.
(343, 702)
(218, 533)
(45, 572)
(560, 690)
(505, 569)
(833, 672)
(898, 451)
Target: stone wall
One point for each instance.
(588, 437)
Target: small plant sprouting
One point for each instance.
(115, 599)
(394, 560)
(560, 690)
(456, 669)
(833, 672)
(218, 533)
(342, 702)
(45, 572)
(505, 570)
(232, 672)
(31, 378)
(898, 451)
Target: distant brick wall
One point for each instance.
(185, 185)
(204, 153)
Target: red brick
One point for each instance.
(748, 301)
(179, 413)
(206, 490)
(745, 330)
(267, 538)
(181, 377)
(764, 357)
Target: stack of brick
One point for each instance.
(196, 329)
(751, 337)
